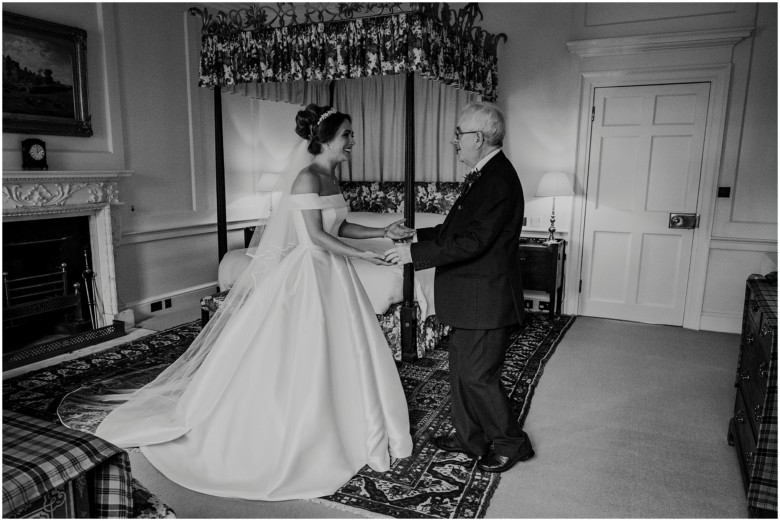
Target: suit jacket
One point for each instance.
(475, 252)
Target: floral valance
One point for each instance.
(380, 45)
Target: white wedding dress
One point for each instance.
(301, 396)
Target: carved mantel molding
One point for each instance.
(53, 192)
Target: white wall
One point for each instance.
(105, 149)
(149, 116)
(538, 99)
(539, 84)
(745, 225)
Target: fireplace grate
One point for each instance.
(64, 345)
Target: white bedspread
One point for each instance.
(384, 284)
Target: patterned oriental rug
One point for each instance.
(430, 484)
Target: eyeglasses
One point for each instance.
(459, 133)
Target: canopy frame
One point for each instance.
(434, 40)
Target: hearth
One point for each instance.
(59, 237)
(46, 282)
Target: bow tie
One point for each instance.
(469, 180)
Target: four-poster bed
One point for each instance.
(320, 44)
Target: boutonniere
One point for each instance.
(470, 179)
(472, 176)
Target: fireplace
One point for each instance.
(59, 238)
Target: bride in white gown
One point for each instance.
(291, 388)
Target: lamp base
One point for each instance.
(551, 229)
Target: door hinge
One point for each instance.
(593, 113)
(580, 291)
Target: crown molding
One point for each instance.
(658, 42)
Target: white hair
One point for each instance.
(489, 119)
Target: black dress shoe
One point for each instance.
(450, 444)
(492, 462)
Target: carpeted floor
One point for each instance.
(431, 483)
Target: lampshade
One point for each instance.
(554, 184)
(266, 181)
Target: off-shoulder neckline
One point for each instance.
(317, 195)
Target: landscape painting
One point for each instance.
(37, 77)
(44, 77)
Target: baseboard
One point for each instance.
(187, 298)
(536, 300)
(721, 322)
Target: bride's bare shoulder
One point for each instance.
(306, 182)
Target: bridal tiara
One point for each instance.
(326, 116)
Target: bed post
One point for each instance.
(408, 318)
(220, 159)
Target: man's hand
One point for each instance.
(397, 231)
(401, 254)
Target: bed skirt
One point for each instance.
(429, 331)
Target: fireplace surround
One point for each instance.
(38, 195)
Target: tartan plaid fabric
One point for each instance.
(39, 456)
(762, 492)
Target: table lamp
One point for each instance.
(554, 184)
(266, 184)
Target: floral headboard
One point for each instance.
(388, 196)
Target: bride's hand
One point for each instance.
(375, 258)
(399, 255)
(397, 231)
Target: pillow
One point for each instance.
(380, 220)
(231, 267)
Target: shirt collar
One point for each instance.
(485, 159)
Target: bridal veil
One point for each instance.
(158, 402)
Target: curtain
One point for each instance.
(377, 105)
(378, 108)
(362, 47)
(436, 111)
(295, 92)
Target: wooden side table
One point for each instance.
(541, 264)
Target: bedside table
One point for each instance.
(541, 265)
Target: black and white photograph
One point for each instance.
(508, 260)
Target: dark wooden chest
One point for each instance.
(753, 428)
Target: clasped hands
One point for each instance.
(400, 254)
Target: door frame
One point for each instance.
(718, 76)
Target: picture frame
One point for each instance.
(44, 78)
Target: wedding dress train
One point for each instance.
(298, 397)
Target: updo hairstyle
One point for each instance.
(306, 126)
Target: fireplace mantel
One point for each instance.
(65, 174)
(46, 192)
(49, 194)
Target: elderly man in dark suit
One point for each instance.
(478, 290)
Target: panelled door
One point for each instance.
(645, 163)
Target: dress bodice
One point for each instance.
(334, 212)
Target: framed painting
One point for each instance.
(44, 78)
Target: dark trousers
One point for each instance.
(481, 411)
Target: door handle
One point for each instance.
(684, 221)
